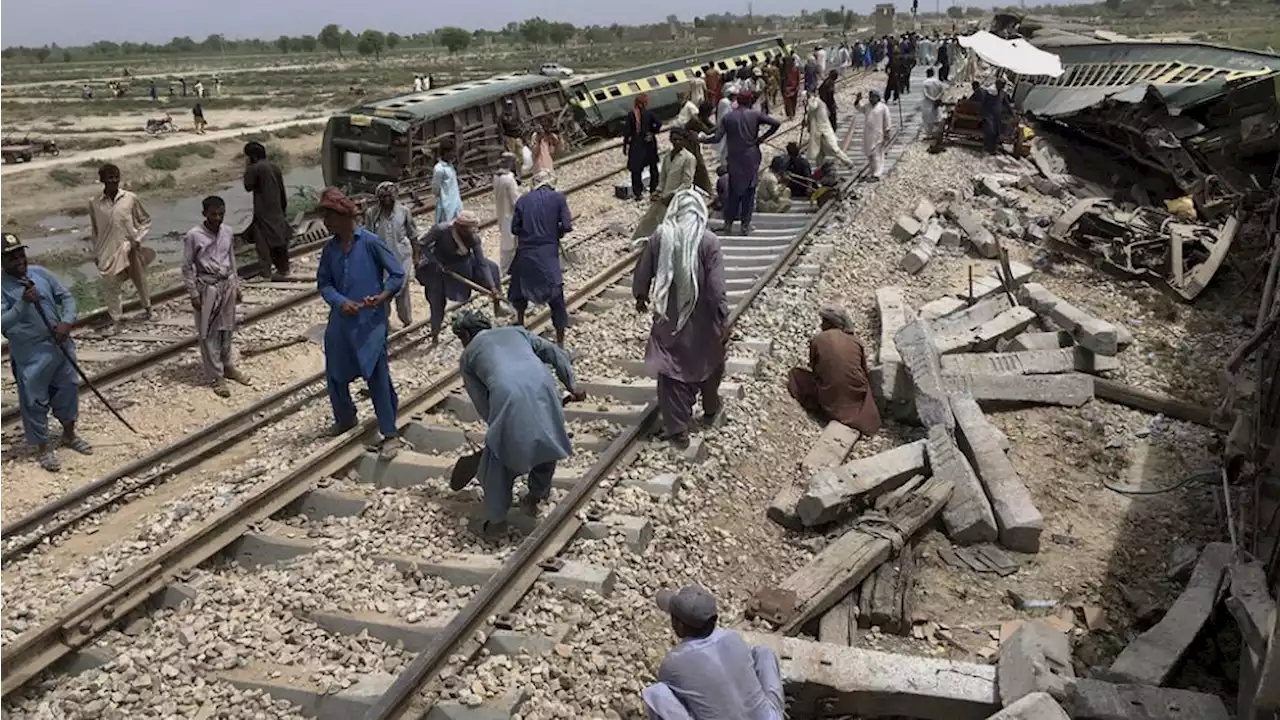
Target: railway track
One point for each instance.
(111, 361)
(341, 498)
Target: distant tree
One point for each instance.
(831, 18)
(973, 12)
(535, 31)
(66, 56)
(561, 33)
(850, 19)
(212, 43)
(42, 54)
(699, 23)
(618, 31)
(594, 34)
(308, 43)
(9, 53)
(955, 12)
(1113, 5)
(283, 44)
(393, 40)
(454, 39)
(511, 30)
(331, 38)
(673, 20)
(371, 42)
(348, 38)
(183, 44)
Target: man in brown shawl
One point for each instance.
(837, 384)
(269, 229)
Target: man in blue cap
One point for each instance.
(712, 674)
(35, 302)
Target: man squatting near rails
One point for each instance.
(681, 273)
(390, 220)
(356, 276)
(540, 220)
(712, 674)
(450, 261)
(837, 384)
(740, 130)
(269, 229)
(209, 275)
(119, 222)
(503, 371)
(46, 378)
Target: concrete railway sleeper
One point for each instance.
(288, 518)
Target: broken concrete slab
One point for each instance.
(968, 317)
(827, 680)
(1070, 390)
(1098, 335)
(942, 306)
(1153, 655)
(835, 490)
(985, 336)
(1017, 518)
(843, 564)
(832, 447)
(1036, 706)
(1250, 604)
(990, 283)
(949, 239)
(894, 314)
(968, 516)
(906, 227)
(974, 229)
(920, 254)
(915, 343)
(1028, 362)
(1035, 659)
(924, 210)
(1038, 341)
(1096, 700)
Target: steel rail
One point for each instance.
(116, 374)
(85, 619)
(202, 443)
(517, 575)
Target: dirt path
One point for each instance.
(114, 153)
(214, 71)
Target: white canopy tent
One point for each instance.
(1017, 56)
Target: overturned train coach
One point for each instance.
(397, 138)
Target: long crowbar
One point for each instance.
(477, 287)
(53, 333)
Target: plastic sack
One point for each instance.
(527, 166)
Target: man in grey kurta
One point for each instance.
(209, 275)
(391, 221)
(503, 370)
(270, 225)
(681, 274)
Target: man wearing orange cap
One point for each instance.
(357, 274)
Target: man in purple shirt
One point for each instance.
(712, 674)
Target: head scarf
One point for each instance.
(385, 185)
(507, 161)
(467, 219)
(333, 199)
(746, 99)
(680, 235)
(837, 317)
(544, 178)
(470, 322)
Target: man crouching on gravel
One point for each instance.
(712, 674)
(502, 369)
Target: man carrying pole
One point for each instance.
(33, 301)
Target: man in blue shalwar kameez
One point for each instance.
(444, 181)
(46, 378)
(357, 274)
(740, 130)
(541, 218)
(504, 373)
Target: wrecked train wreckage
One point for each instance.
(1202, 121)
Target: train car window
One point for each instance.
(671, 77)
(599, 95)
(615, 91)
(723, 65)
(633, 87)
(753, 58)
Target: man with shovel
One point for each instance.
(34, 300)
(503, 371)
(451, 263)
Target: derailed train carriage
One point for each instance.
(397, 138)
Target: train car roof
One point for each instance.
(440, 101)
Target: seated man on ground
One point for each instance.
(712, 674)
(837, 385)
(772, 195)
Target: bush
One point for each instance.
(65, 177)
(157, 182)
(204, 150)
(164, 160)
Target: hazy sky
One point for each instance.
(78, 22)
